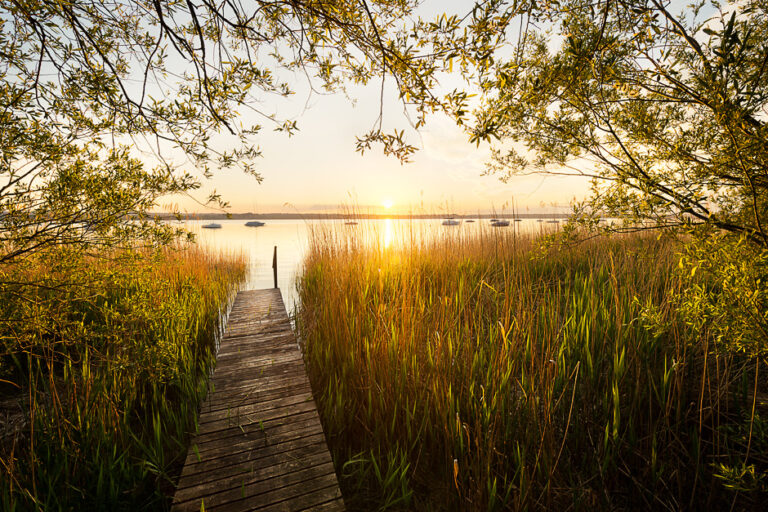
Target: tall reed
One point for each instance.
(104, 362)
(482, 372)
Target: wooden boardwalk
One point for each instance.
(260, 445)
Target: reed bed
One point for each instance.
(486, 372)
(103, 363)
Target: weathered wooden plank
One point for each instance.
(336, 504)
(310, 440)
(257, 352)
(260, 336)
(256, 419)
(262, 367)
(234, 383)
(313, 492)
(247, 388)
(261, 480)
(247, 463)
(255, 437)
(258, 431)
(284, 487)
(259, 445)
(253, 407)
(249, 394)
(295, 368)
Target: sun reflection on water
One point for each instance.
(389, 233)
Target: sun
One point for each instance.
(387, 203)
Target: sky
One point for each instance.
(318, 170)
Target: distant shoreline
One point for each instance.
(344, 216)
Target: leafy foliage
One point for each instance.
(84, 85)
(663, 105)
(732, 301)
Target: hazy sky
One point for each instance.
(319, 170)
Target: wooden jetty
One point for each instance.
(259, 445)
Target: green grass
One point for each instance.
(104, 362)
(485, 373)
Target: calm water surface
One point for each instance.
(292, 237)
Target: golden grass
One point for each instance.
(106, 358)
(482, 372)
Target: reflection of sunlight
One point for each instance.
(389, 234)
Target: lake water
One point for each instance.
(292, 236)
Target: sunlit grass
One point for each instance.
(104, 362)
(484, 373)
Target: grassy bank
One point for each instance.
(484, 373)
(103, 363)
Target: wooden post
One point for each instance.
(274, 265)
